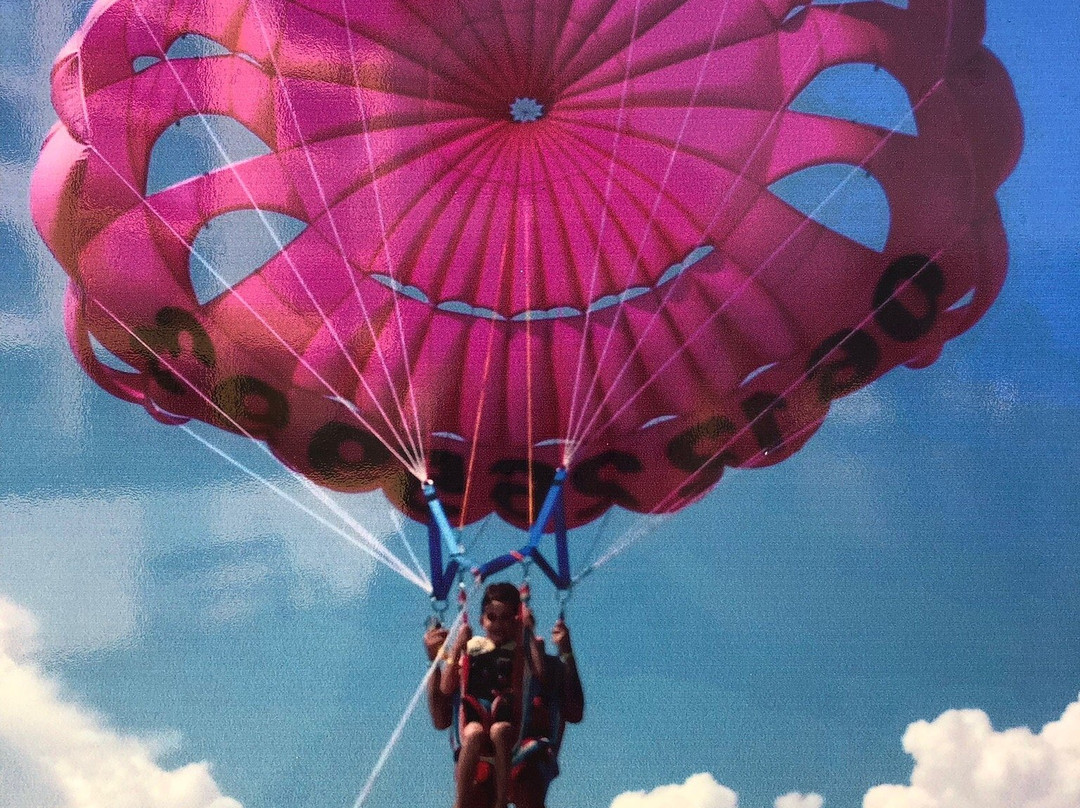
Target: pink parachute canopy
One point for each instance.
(535, 232)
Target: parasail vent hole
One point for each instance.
(791, 15)
(140, 63)
(896, 3)
(232, 246)
(661, 419)
(449, 436)
(860, 92)
(195, 46)
(755, 373)
(197, 145)
(108, 358)
(966, 300)
(841, 197)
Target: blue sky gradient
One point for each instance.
(920, 554)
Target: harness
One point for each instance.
(536, 710)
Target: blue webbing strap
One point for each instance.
(440, 533)
(552, 517)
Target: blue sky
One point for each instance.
(920, 555)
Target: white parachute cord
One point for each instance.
(399, 528)
(364, 538)
(247, 305)
(410, 708)
(415, 461)
(572, 430)
(664, 507)
(585, 427)
(366, 546)
(415, 439)
(604, 213)
(592, 426)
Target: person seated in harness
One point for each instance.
(515, 702)
(488, 669)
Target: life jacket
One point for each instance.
(535, 710)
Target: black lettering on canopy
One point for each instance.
(702, 450)
(252, 403)
(916, 272)
(760, 410)
(588, 478)
(844, 362)
(348, 455)
(162, 342)
(447, 471)
(512, 494)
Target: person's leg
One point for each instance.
(528, 788)
(502, 738)
(472, 744)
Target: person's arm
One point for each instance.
(440, 705)
(533, 645)
(451, 677)
(573, 696)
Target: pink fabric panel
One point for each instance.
(411, 323)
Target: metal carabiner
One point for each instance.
(438, 613)
(562, 596)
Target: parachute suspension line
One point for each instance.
(529, 382)
(504, 273)
(604, 216)
(414, 464)
(632, 537)
(593, 424)
(585, 428)
(410, 708)
(372, 547)
(364, 538)
(247, 305)
(399, 529)
(415, 440)
(601, 527)
(631, 270)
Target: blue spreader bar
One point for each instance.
(552, 518)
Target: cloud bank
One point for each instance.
(54, 754)
(699, 791)
(961, 761)
(702, 791)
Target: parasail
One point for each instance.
(533, 234)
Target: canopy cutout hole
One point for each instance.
(198, 144)
(234, 245)
(660, 419)
(966, 300)
(755, 373)
(140, 63)
(896, 3)
(108, 358)
(449, 436)
(793, 14)
(841, 197)
(859, 92)
(195, 46)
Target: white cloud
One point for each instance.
(55, 754)
(796, 800)
(962, 762)
(702, 791)
(699, 791)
